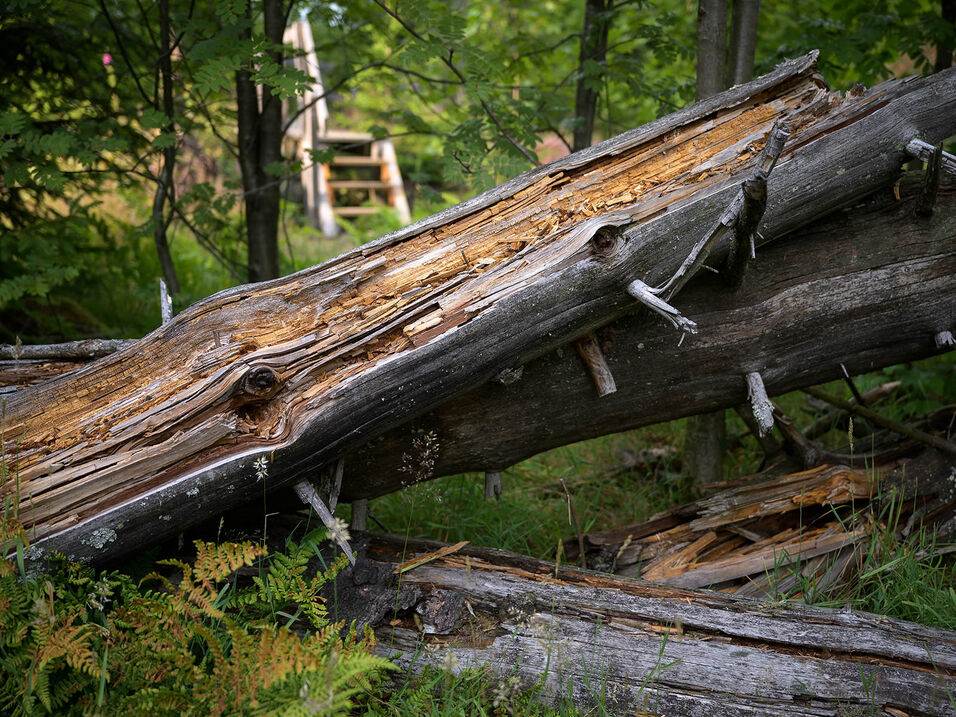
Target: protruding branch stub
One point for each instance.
(493, 485)
(308, 494)
(924, 150)
(590, 351)
(648, 296)
(759, 403)
(165, 303)
(703, 248)
(749, 203)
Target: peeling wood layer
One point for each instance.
(278, 369)
(865, 288)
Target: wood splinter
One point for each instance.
(165, 303)
(492, 485)
(742, 215)
(590, 352)
(760, 403)
(307, 494)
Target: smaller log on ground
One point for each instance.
(634, 646)
(768, 538)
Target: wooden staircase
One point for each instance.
(363, 175)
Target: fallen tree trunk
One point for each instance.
(865, 288)
(636, 647)
(272, 381)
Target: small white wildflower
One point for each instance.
(505, 693)
(262, 468)
(100, 597)
(338, 530)
(449, 662)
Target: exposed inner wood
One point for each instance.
(252, 367)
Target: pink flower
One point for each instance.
(107, 59)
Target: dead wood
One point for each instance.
(769, 537)
(296, 372)
(629, 646)
(829, 295)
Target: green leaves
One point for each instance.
(167, 139)
(13, 122)
(152, 118)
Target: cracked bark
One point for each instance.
(134, 446)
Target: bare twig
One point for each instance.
(895, 426)
(573, 518)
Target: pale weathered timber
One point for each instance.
(867, 287)
(301, 369)
(629, 646)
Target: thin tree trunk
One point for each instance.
(260, 145)
(706, 435)
(165, 190)
(743, 42)
(944, 51)
(711, 46)
(597, 23)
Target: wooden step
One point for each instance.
(357, 211)
(351, 160)
(358, 184)
(344, 135)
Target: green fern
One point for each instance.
(81, 642)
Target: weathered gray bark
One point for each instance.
(871, 285)
(297, 372)
(594, 639)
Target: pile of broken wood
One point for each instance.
(773, 534)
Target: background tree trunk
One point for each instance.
(593, 49)
(165, 187)
(743, 42)
(260, 147)
(711, 46)
(944, 51)
(705, 436)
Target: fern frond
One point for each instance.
(216, 562)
